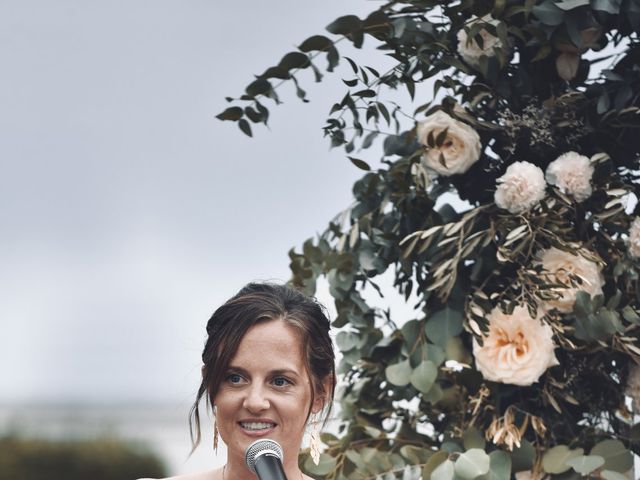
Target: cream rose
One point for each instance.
(571, 173)
(560, 266)
(517, 350)
(469, 49)
(634, 238)
(520, 188)
(460, 149)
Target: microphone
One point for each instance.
(264, 458)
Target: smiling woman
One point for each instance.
(268, 372)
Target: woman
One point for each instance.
(268, 370)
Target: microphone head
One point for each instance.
(261, 447)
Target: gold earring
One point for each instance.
(314, 441)
(215, 436)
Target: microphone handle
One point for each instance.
(269, 467)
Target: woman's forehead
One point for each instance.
(269, 341)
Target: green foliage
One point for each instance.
(472, 464)
(614, 454)
(75, 460)
(556, 459)
(532, 80)
(499, 466)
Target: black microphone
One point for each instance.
(264, 458)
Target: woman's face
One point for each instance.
(266, 392)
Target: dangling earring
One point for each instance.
(314, 441)
(215, 436)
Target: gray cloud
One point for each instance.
(128, 212)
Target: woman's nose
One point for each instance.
(256, 399)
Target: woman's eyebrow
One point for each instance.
(284, 371)
(277, 371)
(240, 370)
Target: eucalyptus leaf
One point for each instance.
(423, 376)
(582, 306)
(435, 353)
(399, 145)
(616, 456)
(275, 72)
(548, 13)
(258, 87)
(245, 127)
(399, 374)
(315, 42)
(345, 25)
(294, 60)
(434, 461)
(630, 315)
(416, 455)
(555, 459)
(411, 332)
(609, 6)
(451, 446)
(444, 471)
(333, 58)
(324, 467)
(443, 325)
(571, 4)
(611, 475)
(523, 457)
(231, 113)
(346, 341)
(594, 327)
(473, 438)
(434, 395)
(355, 457)
(499, 466)
(472, 463)
(585, 464)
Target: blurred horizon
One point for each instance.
(163, 430)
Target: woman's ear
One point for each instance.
(320, 400)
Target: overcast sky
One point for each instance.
(127, 211)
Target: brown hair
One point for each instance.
(255, 303)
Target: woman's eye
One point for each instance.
(234, 378)
(281, 382)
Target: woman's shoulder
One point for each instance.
(208, 475)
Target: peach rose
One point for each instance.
(561, 266)
(517, 350)
(460, 149)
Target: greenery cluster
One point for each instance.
(561, 76)
(75, 460)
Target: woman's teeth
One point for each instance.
(256, 425)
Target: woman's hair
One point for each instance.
(255, 303)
